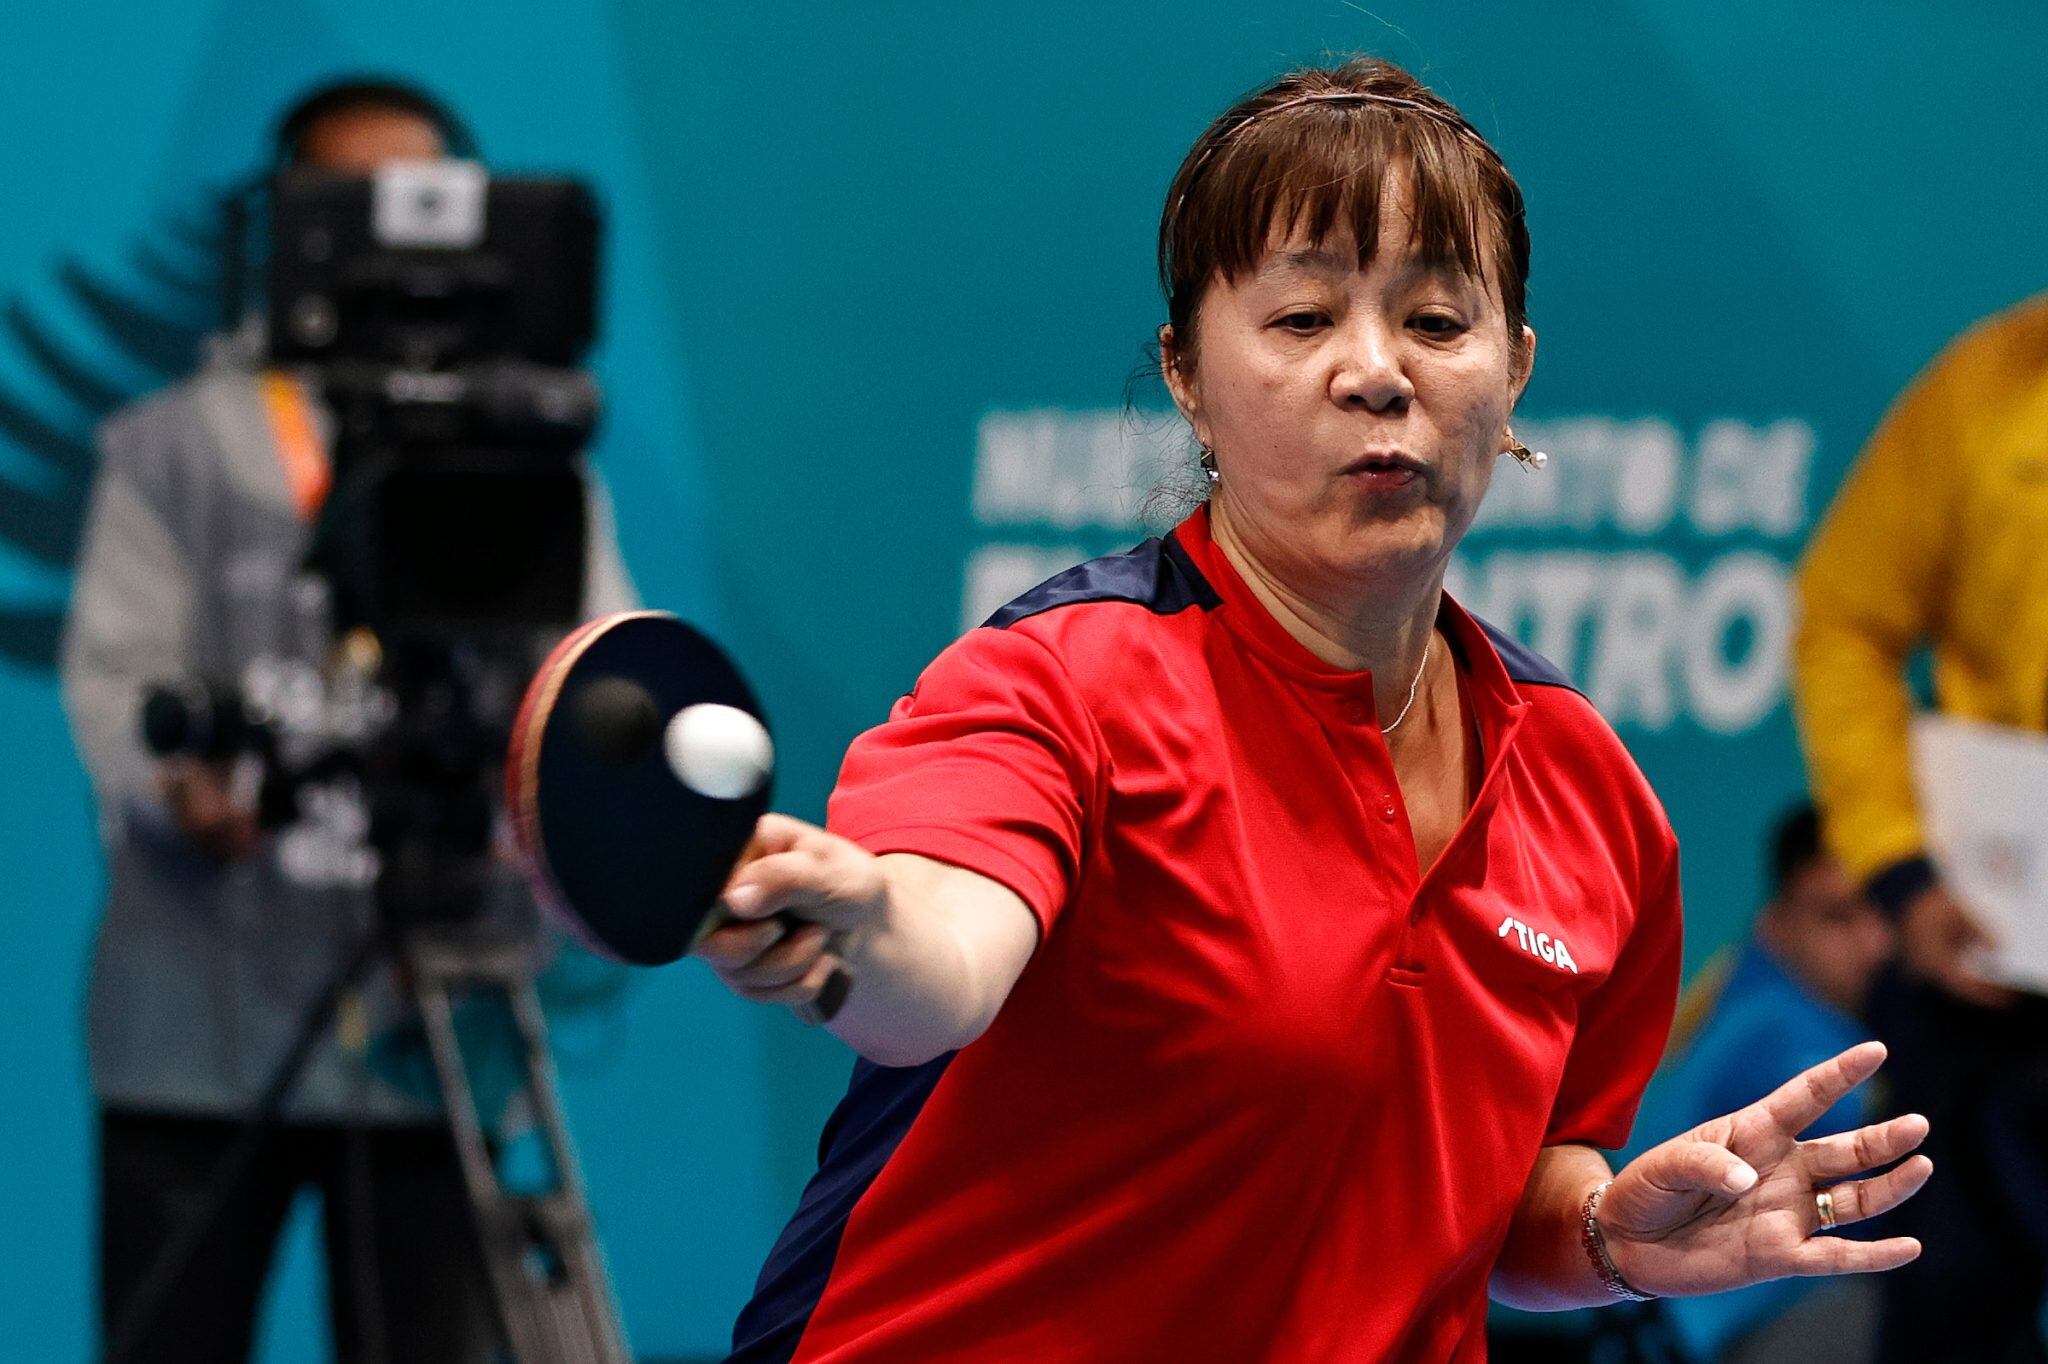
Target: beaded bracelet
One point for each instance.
(1596, 1250)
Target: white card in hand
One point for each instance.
(1984, 802)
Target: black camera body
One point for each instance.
(444, 315)
(441, 316)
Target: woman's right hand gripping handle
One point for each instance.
(791, 912)
(929, 950)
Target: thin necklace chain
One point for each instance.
(1412, 686)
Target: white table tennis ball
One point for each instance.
(719, 751)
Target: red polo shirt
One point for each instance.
(1263, 1092)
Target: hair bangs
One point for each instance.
(1321, 169)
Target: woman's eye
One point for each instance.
(1304, 321)
(1437, 325)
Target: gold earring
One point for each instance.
(1208, 463)
(1534, 459)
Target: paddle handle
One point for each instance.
(825, 1007)
(838, 986)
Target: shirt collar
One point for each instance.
(1498, 702)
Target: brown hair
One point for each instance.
(1312, 149)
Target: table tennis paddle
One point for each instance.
(632, 857)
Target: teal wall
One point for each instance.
(871, 261)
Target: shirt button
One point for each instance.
(1388, 811)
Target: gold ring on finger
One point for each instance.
(1824, 1204)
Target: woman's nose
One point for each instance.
(1369, 371)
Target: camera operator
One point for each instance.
(219, 932)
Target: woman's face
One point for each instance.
(1355, 414)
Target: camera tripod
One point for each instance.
(547, 1274)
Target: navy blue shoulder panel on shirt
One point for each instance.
(1157, 573)
(1525, 666)
(863, 1132)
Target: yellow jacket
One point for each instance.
(1939, 536)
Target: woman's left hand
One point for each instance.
(1732, 1202)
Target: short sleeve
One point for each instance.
(991, 764)
(1623, 1025)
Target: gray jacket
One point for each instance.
(191, 568)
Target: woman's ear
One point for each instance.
(1525, 363)
(1179, 382)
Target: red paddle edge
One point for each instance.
(522, 766)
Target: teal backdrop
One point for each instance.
(880, 280)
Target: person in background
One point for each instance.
(1788, 996)
(1938, 539)
(217, 934)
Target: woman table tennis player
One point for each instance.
(1251, 948)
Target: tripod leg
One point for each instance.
(546, 1271)
(590, 1303)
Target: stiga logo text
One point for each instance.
(1537, 944)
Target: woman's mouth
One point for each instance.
(1385, 472)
